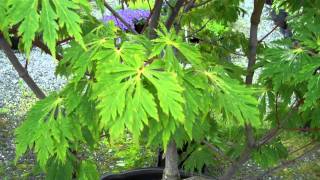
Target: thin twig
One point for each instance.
(64, 40)
(148, 19)
(273, 132)
(200, 29)
(171, 7)
(302, 129)
(277, 115)
(219, 45)
(303, 147)
(265, 36)
(149, 5)
(285, 164)
(154, 19)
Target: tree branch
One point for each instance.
(119, 17)
(148, 19)
(303, 147)
(253, 41)
(189, 6)
(45, 48)
(174, 13)
(288, 163)
(198, 30)
(273, 132)
(264, 37)
(23, 73)
(65, 40)
(154, 20)
(233, 168)
(168, 3)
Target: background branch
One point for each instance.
(174, 13)
(288, 163)
(264, 37)
(23, 73)
(38, 43)
(154, 20)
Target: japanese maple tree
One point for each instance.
(163, 88)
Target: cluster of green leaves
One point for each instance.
(157, 90)
(162, 89)
(295, 74)
(47, 20)
(290, 73)
(290, 79)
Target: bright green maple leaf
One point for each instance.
(49, 25)
(47, 130)
(65, 10)
(169, 92)
(234, 100)
(312, 96)
(123, 100)
(29, 26)
(88, 171)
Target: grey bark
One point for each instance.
(174, 13)
(154, 20)
(234, 167)
(171, 171)
(253, 41)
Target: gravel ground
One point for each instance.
(41, 69)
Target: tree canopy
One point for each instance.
(161, 87)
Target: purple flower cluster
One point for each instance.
(129, 15)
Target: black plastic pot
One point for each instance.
(141, 174)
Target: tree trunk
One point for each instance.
(234, 167)
(154, 20)
(253, 43)
(174, 13)
(171, 171)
